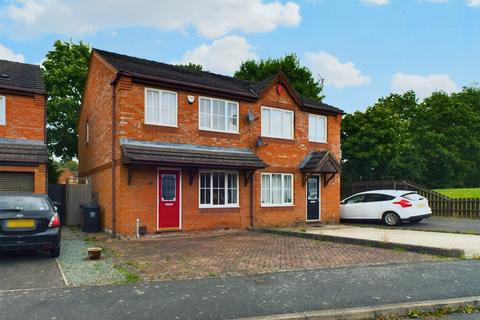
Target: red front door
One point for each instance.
(168, 199)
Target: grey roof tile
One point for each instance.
(21, 75)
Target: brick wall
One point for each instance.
(95, 156)
(138, 199)
(25, 117)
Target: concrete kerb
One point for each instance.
(451, 253)
(363, 313)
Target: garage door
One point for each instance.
(16, 182)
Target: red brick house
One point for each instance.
(23, 149)
(186, 150)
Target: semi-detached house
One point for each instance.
(23, 149)
(180, 149)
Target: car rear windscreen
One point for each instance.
(23, 203)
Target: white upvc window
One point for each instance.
(218, 115)
(161, 107)
(277, 189)
(218, 189)
(3, 111)
(277, 123)
(317, 128)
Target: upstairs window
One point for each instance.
(277, 123)
(317, 128)
(218, 115)
(3, 111)
(161, 107)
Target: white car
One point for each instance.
(390, 206)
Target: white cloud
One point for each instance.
(334, 72)
(473, 3)
(376, 2)
(222, 56)
(8, 54)
(423, 85)
(210, 18)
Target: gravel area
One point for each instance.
(80, 271)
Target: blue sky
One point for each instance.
(363, 49)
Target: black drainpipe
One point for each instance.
(114, 112)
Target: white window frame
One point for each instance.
(211, 205)
(3, 111)
(316, 116)
(211, 115)
(159, 91)
(283, 203)
(268, 135)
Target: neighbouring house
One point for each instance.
(180, 149)
(23, 148)
(66, 175)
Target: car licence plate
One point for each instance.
(421, 205)
(20, 223)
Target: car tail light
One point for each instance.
(403, 203)
(55, 221)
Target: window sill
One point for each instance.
(160, 128)
(318, 142)
(276, 205)
(218, 134)
(277, 208)
(278, 140)
(160, 125)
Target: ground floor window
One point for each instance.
(218, 189)
(277, 189)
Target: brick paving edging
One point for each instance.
(451, 253)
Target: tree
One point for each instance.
(53, 171)
(448, 134)
(435, 142)
(378, 144)
(299, 76)
(65, 72)
(191, 66)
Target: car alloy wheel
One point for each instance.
(391, 218)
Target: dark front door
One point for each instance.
(169, 199)
(313, 198)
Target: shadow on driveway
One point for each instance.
(29, 270)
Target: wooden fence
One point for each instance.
(441, 205)
(77, 193)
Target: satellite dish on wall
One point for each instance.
(191, 99)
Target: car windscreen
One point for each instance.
(23, 203)
(412, 196)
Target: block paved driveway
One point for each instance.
(243, 252)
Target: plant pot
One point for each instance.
(94, 253)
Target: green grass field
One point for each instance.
(460, 193)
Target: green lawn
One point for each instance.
(461, 193)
